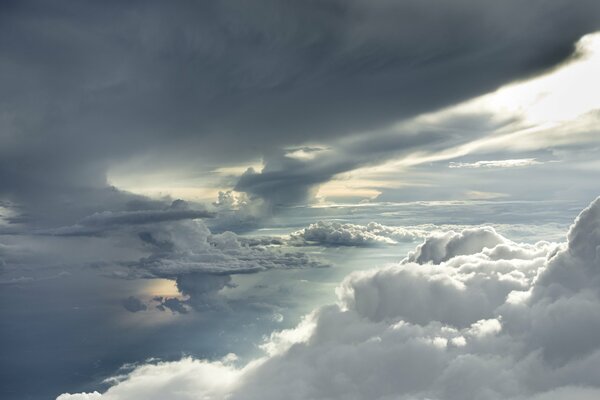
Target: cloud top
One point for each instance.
(332, 233)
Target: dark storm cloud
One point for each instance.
(107, 220)
(286, 180)
(86, 84)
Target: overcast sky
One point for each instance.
(179, 161)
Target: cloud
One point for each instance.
(443, 246)
(520, 162)
(419, 147)
(201, 263)
(190, 247)
(133, 304)
(98, 223)
(80, 396)
(173, 304)
(508, 321)
(176, 85)
(331, 233)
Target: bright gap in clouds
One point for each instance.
(563, 94)
(522, 125)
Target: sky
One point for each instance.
(306, 199)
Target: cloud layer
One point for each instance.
(498, 320)
(175, 86)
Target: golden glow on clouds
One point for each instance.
(202, 187)
(162, 287)
(366, 182)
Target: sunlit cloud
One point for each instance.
(552, 111)
(305, 153)
(521, 162)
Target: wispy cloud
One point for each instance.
(519, 162)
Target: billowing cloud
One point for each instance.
(80, 396)
(331, 233)
(190, 247)
(201, 263)
(508, 321)
(441, 247)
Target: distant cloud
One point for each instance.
(103, 221)
(202, 263)
(331, 233)
(521, 162)
(80, 396)
(133, 304)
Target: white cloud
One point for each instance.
(331, 233)
(438, 330)
(520, 162)
(80, 396)
(443, 246)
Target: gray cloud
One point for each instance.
(173, 304)
(133, 304)
(87, 85)
(189, 247)
(287, 181)
(201, 263)
(98, 223)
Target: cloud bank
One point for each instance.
(331, 233)
(506, 321)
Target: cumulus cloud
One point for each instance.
(175, 243)
(201, 263)
(506, 321)
(331, 233)
(190, 247)
(441, 247)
